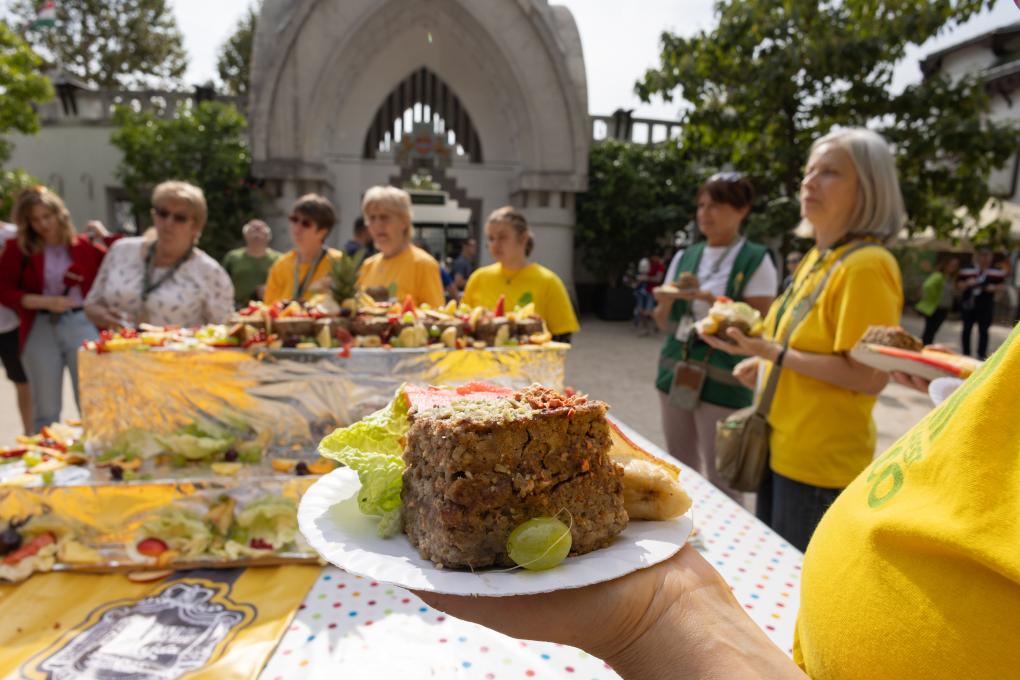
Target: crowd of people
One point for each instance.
(59, 288)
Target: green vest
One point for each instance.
(720, 388)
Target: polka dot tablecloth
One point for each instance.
(350, 627)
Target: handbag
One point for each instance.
(742, 439)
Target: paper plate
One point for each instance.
(928, 365)
(331, 522)
(940, 389)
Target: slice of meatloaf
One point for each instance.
(478, 469)
(892, 336)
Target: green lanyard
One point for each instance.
(148, 285)
(299, 290)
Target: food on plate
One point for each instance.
(687, 281)
(169, 534)
(725, 314)
(892, 336)
(35, 459)
(459, 470)
(264, 527)
(539, 544)
(34, 545)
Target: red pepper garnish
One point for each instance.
(259, 544)
(408, 305)
(500, 306)
(31, 548)
(345, 351)
(13, 453)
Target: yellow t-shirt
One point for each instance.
(413, 272)
(534, 283)
(280, 284)
(823, 435)
(914, 572)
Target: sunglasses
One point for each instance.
(303, 222)
(726, 177)
(178, 218)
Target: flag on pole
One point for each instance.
(47, 17)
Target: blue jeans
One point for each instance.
(52, 345)
(791, 508)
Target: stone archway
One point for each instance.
(321, 68)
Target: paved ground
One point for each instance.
(611, 362)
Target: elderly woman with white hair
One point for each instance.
(822, 434)
(166, 281)
(400, 267)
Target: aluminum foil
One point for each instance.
(296, 395)
(106, 516)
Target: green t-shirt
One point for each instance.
(247, 272)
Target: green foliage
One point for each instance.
(206, 145)
(234, 62)
(111, 44)
(345, 276)
(22, 86)
(774, 75)
(11, 184)
(637, 196)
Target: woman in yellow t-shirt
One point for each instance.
(913, 573)
(516, 279)
(400, 267)
(305, 270)
(822, 432)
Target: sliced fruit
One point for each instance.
(226, 469)
(30, 548)
(321, 466)
(148, 576)
(151, 547)
(284, 464)
(500, 309)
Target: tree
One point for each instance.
(205, 144)
(774, 75)
(234, 63)
(637, 196)
(22, 87)
(111, 44)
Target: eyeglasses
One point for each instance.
(729, 176)
(178, 218)
(302, 222)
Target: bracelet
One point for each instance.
(780, 356)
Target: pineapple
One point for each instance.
(345, 277)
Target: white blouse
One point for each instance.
(199, 292)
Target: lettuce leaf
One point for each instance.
(193, 447)
(181, 529)
(373, 447)
(271, 520)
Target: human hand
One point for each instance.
(102, 316)
(742, 345)
(914, 382)
(58, 304)
(96, 230)
(746, 372)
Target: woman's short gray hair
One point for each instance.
(390, 199)
(879, 209)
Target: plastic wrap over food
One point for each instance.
(107, 518)
(297, 396)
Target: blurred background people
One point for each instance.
(46, 272)
(793, 259)
(978, 285)
(938, 293)
(725, 263)
(163, 279)
(249, 266)
(518, 280)
(362, 240)
(305, 270)
(10, 353)
(400, 267)
(464, 265)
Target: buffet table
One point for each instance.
(349, 627)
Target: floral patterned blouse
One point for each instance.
(199, 292)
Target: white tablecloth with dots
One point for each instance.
(351, 627)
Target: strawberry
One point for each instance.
(30, 548)
(500, 306)
(151, 547)
(408, 305)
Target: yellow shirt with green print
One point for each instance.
(914, 572)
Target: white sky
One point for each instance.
(620, 39)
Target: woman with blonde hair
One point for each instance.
(400, 267)
(518, 280)
(45, 273)
(166, 281)
(822, 434)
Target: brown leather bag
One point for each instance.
(742, 439)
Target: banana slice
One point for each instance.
(651, 486)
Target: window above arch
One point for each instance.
(422, 98)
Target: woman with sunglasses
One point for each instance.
(822, 435)
(45, 273)
(695, 383)
(166, 280)
(305, 270)
(400, 267)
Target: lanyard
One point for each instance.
(790, 293)
(299, 290)
(148, 285)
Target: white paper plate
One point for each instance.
(888, 363)
(940, 389)
(329, 518)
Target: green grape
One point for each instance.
(540, 543)
(32, 458)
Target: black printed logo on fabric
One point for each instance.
(178, 629)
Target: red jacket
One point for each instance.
(21, 275)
